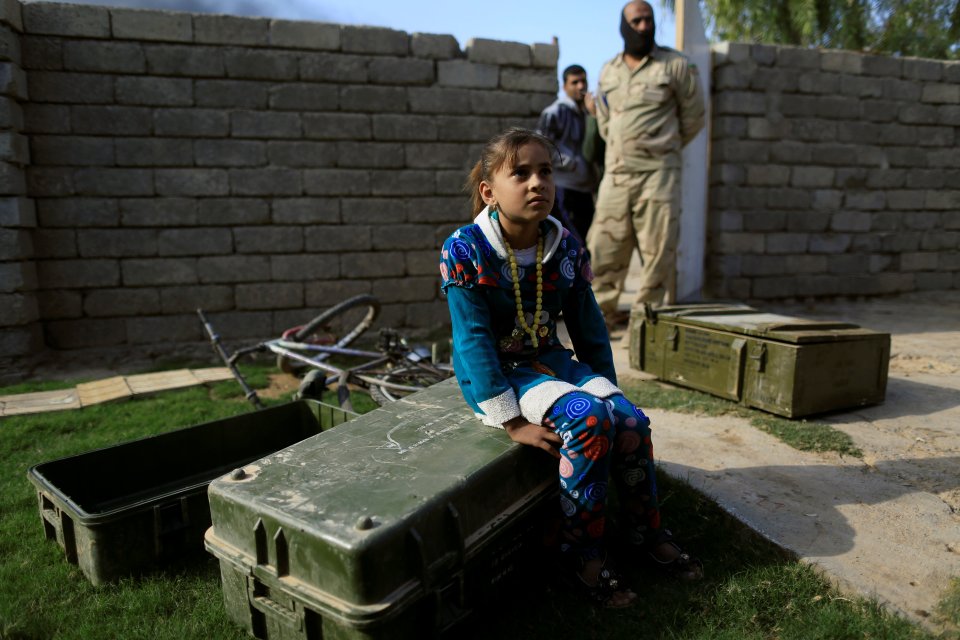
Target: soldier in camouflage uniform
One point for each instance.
(649, 105)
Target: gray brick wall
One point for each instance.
(833, 173)
(152, 162)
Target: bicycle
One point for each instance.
(394, 370)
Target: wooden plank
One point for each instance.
(106, 390)
(145, 383)
(213, 374)
(39, 402)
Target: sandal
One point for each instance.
(682, 565)
(606, 589)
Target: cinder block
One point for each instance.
(539, 102)
(403, 237)
(222, 269)
(295, 34)
(336, 126)
(903, 90)
(438, 155)
(103, 56)
(408, 289)
(108, 181)
(17, 276)
(184, 60)
(231, 94)
(261, 64)
(421, 263)
(374, 40)
(16, 244)
(951, 71)
(305, 211)
(740, 243)
(370, 155)
(934, 281)
(14, 148)
(435, 47)
(154, 91)
(886, 178)
(336, 182)
(374, 211)
(925, 178)
(304, 268)
(304, 97)
(796, 57)
(266, 182)
(861, 87)
(276, 295)
(814, 177)
(336, 239)
(56, 305)
(467, 128)
(189, 299)
(264, 124)
(199, 123)
(763, 128)
(940, 199)
(545, 55)
(814, 130)
(931, 221)
(158, 212)
(737, 77)
(159, 271)
(905, 199)
(764, 220)
(321, 295)
(819, 83)
(192, 182)
(466, 74)
(514, 54)
(740, 102)
(404, 127)
(544, 80)
(232, 30)
(10, 45)
(271, 239)
(838, 108)
(229, 153)
(938, 158)
(77, 212)
(302, 154)
(408, 182)
(426, 315)
(730, 53)
(439, 100)
(18, 212)
(12, 14)
(109, 120)
(71, 88)
(888, 66)
(72, 151)
(848, 62)
(403, 71)
(500, 103)
(116, 243)
(156, 152)
(77, 274)
(42, 181)
(918, 114)
(194, 242)
(17, 309)
(784, 243)
(753, 265)
(829, 242)
(233, 211)
(941, 93)
(851, 221)
(133, 24)
(39, 53)
(128, 301)
(327, 67)
(377, 264)
(451, 183)
(919, 261)
(920, 69)
(163, 329)
(86, 332)
(438, 210)
(768, 175)
(63, 19)
(948, 115)
(369, 99)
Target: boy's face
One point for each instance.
(523, 192)
(575, 86)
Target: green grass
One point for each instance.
(804, 435)
(751, 590)
(949, 607)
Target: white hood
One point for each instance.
(494, 235)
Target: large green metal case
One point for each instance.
(788, 366)
(390, 527)
(138, 505)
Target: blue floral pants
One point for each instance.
(603, 439)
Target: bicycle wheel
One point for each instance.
(413, 377)
(338, 326)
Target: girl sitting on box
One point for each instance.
(508, 278)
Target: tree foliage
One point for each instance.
(923, 28)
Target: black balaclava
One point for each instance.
(636, 44)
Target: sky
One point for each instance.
(588, 32)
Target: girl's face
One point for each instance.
(523, 192)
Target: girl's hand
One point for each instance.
(534, 435)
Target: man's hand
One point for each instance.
(590, 104)
(534, 435)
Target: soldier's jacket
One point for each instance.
(647, 115)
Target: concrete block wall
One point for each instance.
(832, 173)
(18, 278)
(261, 169)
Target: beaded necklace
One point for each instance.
(531, 331)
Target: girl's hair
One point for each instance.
(499, 150)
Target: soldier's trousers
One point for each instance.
(638, 210)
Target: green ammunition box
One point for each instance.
(393, 526)
(142, 504)
(788, 366)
